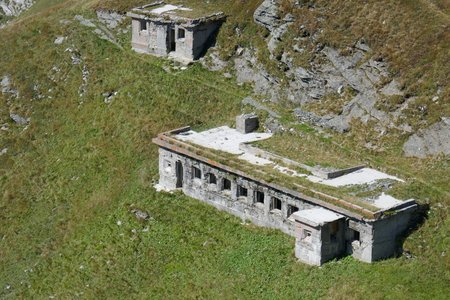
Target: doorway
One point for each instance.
(179, 173)
(172, 45)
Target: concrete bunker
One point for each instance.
(325, 226)
(173, 30)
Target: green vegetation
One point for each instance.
(81, 165)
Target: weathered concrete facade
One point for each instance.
(322, 231)
(162, 34)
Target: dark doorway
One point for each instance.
(179, 173)
(171, 40)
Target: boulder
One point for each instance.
(431, 141)
(19, 119)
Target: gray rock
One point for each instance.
(14, 7)
(267, 14)
(248, 70)
(361, 45)
(109, 97)
(431, 141)
(140, 214)
(84, 22)
(6, 87)
(19, 119)
(213, 62)
(252, 102)
(59, 40)
(272, 125)
(111, 19)
(391, 89)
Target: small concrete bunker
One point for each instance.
(221, 167)
(179, 32)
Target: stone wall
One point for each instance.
(156, 39)
(247, 208)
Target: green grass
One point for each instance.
(78, 169)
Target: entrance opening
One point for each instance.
(179, 174)
(171, 40)
(334, 228)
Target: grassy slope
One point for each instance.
(78, 169)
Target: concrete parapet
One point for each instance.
(247, 123)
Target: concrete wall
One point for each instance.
(158, 41)
(333, 247)
(184, 46)
(360, 249)
(152, 41)
(139, 39)
(308, 247)
(318, 246)
(386, 233)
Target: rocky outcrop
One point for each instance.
(13, 8)
(433, 140)
(267, 14)
(111, 19)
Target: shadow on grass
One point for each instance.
(417, 220)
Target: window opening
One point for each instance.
(196, 173)
(143, 25)
(226, 184)
(212, 178)
(242, 191)
(259, 197)
(275, 203)
(181, 33)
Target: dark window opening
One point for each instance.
(143, 25)
(259, 197)
(291, 209)
(356, 235)
(196, 173)
(181, 33)
(226, 184)
(275, 204)
(242, 191)
(212, 178)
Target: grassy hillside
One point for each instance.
(70, 179)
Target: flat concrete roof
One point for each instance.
(316, 216)
(166, 12)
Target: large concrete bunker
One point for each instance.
(220, 167)
(173, 30)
